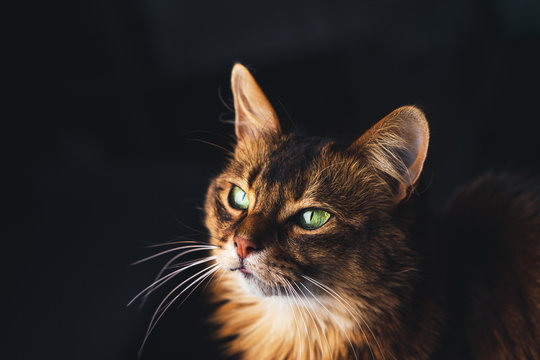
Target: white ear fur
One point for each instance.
(255, 116)
(397, 145)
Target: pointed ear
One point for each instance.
(255, 117)
(397, 145)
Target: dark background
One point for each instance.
(110, 97)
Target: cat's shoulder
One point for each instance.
(499, 205)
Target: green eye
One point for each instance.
(313, 218)
(238, 198)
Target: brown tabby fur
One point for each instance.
(403, 285)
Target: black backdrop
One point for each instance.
(113, 96)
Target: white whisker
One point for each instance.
(193, 247)
(164, 268)
(301, 314)
(335, 320)
(347, 307)
(208, 282)
(152, 287)
(316, 322)
(173, 242)
(344, 302)
(212, 274)
(179, 265)
(161, 311)
(294, 315)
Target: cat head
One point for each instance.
(290, 210)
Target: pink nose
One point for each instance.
(243, 246)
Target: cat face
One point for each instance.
(293, 212)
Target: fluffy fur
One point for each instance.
(381, 279)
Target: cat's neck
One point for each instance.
(289, 326)
(332, 327)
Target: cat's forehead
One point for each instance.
(287, 164)
(304, 172)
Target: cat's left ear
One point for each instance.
(397, 146)
(255, 117)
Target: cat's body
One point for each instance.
(492, 229)
(327, 253)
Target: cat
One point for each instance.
(326, 251)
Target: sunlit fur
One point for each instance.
(361, 286)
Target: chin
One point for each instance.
(255, 286)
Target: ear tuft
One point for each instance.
(255, 116)
(397, 145)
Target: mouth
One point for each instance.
(244, 270)
(247, 274)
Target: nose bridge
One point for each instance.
(249, 236)
(252, 228)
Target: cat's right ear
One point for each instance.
(397, 146)
(254, 116)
